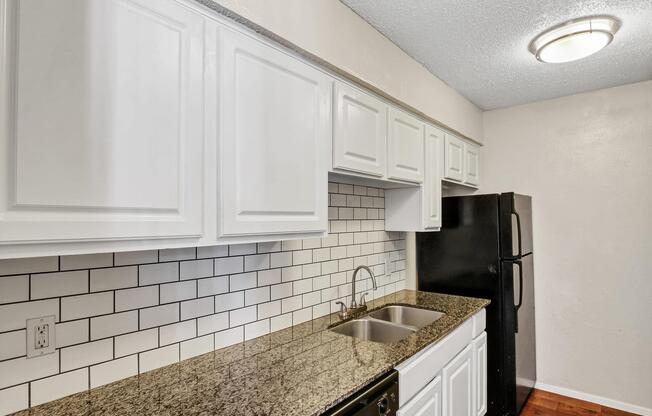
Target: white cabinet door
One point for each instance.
(360, 131)
(480, 374)
(426, 403)
(453, 158)
(101, 132)
(274, 134)
(457, 379)
(405, 147)
(471, 164)
(432, 180)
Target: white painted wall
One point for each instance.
(587, 162)
(334, 33)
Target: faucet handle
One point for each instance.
(344, 311)
(363, 301)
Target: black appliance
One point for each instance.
(484, 249)
(379, 398)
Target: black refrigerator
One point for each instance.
(484, 249)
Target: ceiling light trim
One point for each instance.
(607, 25)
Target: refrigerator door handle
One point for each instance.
(520, 293)
(518, 232)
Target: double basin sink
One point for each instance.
(389, 324)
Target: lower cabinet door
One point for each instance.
(480, 373)
(457, 385)
(426, 403)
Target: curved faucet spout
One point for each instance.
(354, 304)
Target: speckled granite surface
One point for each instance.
(302, 370)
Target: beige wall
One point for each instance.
(334, 33)
(587, 162)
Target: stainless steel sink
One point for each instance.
(373, 330)
(405, 315)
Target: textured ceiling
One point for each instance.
(479, 47)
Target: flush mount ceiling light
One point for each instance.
(575, 39)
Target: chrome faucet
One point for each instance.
(345, 311)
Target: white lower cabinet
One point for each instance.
(426, 403)
(449, 377)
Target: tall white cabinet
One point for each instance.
(274, 116)
(101, 129)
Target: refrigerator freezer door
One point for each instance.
(516, 225)
(526, 373)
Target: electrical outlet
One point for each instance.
(388, 266)
(40, 336)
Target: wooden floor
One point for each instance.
(542, 403)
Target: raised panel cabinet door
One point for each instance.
(360, 131)
(274, 135)
(457, 389)
(101, 132)
(453, 158)
(405, 147)
(480, 374)
(472, 164)
(432, 179)
(426, 403)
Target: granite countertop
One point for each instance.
(302, 370)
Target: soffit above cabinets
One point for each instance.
(481, 48)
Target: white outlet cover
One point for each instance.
(32, 324)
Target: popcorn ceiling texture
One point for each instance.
(479, 48)
(120, 314)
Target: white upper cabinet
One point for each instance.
(101, 134)
(360, 131)
(274, 134)
(471, 164)
(405, 147)
(432, 180)
(454, 158)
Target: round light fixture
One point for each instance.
(574, 40)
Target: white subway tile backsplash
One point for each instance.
(115, 370)
(229, 265)
(135, 298)
(15, 315)
(196, 346)
(197, 307)
(242, 281)
(29, 265)
(151, 274)
(256, 262)
(86, 261)
(173, 254)
(229, 301)
(256, 329)
(12, 344)
(229, 337)
(269, 277)
(196, 269)
(49, 285)
(159, 315)
(180, 331)
(160, 357)
(212, 286)
(124, 313)
(20, 370)
(83, 355)
(72, 332)
(212, 323)
(58, 386)
(14, 399)
(114, 324)
(136, 342)
(83, 306)
(174, 292)
(114, 278)
(14, 288)
(136, 257)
